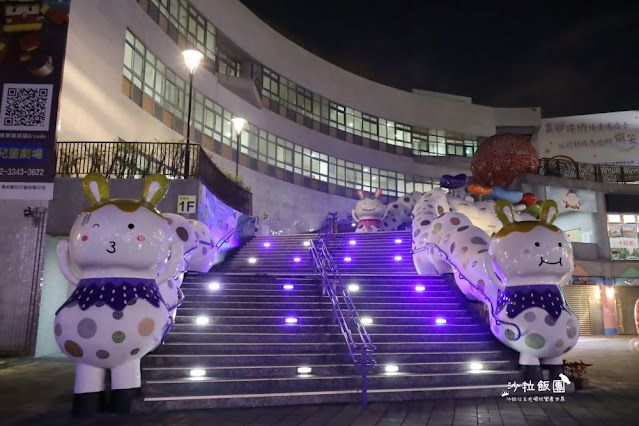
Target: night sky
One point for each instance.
(567, 59)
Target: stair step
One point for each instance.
(323, 319)
(352, 396)
(321, 369)
(312, 382)
(194, 360)
(294, 347)
(214, 326)
(177, 337)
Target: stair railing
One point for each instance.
(359, 344)
(226, 237)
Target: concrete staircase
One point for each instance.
(247, 333)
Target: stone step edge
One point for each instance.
(319, 378)
(235, 367)
(352, 391)
(321, 354)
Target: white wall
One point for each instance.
(55, 291)
(92, 106)
(291, 208)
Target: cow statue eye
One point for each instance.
(559, 244)
(131, 226)
(537, 244)
(96, 224)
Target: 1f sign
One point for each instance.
(187, 204)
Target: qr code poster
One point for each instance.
(26, 107)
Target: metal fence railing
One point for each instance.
(123, 159)
(359, 345)
(136, 160)
(562, 166)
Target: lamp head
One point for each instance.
(192, 59)
(238, 124)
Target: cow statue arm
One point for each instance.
(172, 264)
(64, 262)
(354, 215)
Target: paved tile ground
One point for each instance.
(38, 392)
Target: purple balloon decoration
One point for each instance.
(453, 182)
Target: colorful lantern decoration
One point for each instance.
(501, 158)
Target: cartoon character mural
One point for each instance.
(369, 212)
(220, 219)
(571, 200)
(518, 274)
(116, 314)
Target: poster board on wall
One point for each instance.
(32, 50)
(572, 200)
(610, 138)
(623, 241)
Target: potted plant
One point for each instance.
(576, 372)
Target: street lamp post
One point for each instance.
(192, 60)
(238, 126)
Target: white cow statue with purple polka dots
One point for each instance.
(116, 314)
(203, 256)
(517, 274)
(184, 232)
(369, 212)
(400, 212)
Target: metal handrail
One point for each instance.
(225, 238)
(359, 345)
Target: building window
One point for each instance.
(159, 82)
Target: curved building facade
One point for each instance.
(315, 133)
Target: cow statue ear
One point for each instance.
(360, 193)
(155, 188)
(378, 192)
(505, 211)
(548, 207)
(96, 187)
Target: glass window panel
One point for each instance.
(128, 55)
